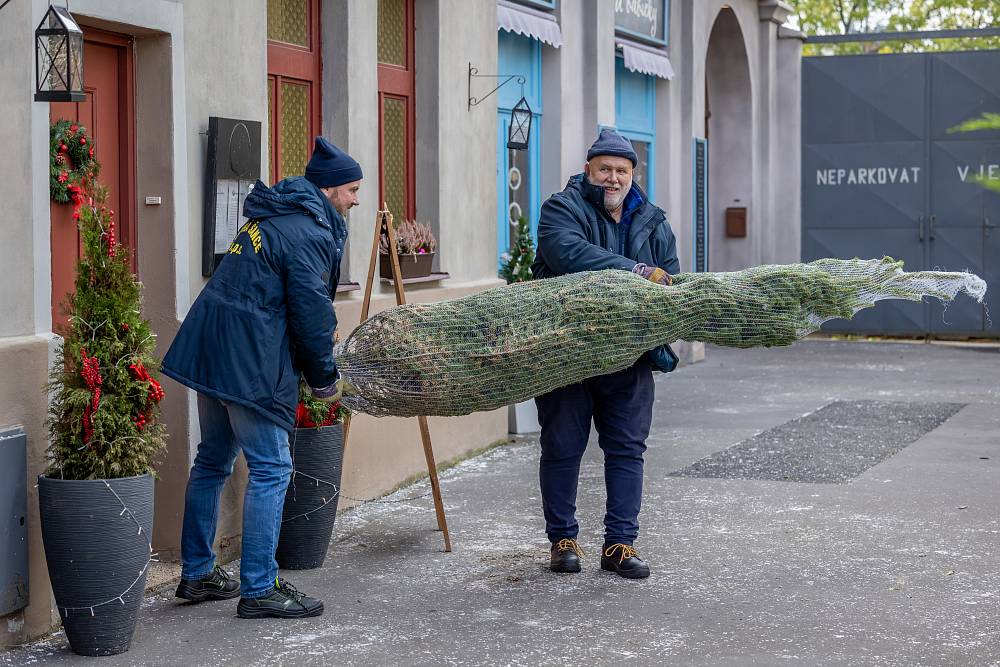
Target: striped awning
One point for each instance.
(645, 60)
(528, 22)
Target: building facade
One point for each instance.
(706, 90)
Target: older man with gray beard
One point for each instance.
(601, 220)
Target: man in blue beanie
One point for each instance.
(601, 220)
(264, 319)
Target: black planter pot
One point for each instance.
(311, 499)
(98, 556)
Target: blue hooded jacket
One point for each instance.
(266, 316)
(575, 233)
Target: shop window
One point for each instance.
(293, 85)
(396, 107)
(641, 173)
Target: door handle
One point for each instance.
(920, 227)
(930, 227)
(987, 226)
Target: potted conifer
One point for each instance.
(516, 267)
(96, 496)
(317, 448)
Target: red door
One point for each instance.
(107, 114)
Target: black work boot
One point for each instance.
(623, 560)
(282, 601)
(565, 556)
(216, 585)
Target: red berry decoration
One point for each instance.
(91, 374)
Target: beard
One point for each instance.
(613, 201)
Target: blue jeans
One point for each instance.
(621, 406)
(227, 428)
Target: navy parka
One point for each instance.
(575, 233)
(266, 316)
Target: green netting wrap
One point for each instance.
(511, 343)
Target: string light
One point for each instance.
(151, 559)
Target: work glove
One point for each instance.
(653, 274)
(336, 391)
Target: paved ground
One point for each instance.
(899, 565)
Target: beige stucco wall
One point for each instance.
(25, 361)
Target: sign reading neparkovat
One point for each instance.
(900, 175)
(642, 18)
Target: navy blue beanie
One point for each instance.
(612, 143)
(329, 166)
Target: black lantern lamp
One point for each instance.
(58, 58)
(520, 126)
(520, 116)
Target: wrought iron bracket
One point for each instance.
(507, 78)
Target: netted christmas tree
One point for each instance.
(507, 344)
(103, 414)
(517, 263)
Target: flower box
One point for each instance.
(414, 265)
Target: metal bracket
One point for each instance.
(474, 74)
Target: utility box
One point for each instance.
(13, 520)
(736, 222)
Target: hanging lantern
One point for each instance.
(520, 126)
(58, 58)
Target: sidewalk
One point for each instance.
(896, 563)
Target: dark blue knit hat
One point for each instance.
(612, 143)
(329, 166)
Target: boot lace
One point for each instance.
(625, 551)
(569, 545)
(288, 589)
(219, 575)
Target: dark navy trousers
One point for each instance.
(621, 407)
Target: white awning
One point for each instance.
(528, 22)
(645, 60)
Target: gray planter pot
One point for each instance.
(312, 496)
(97, 556)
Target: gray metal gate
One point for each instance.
(881, 175)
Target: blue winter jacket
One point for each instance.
(575, 233)
(266, 316)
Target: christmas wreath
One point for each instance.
(71, 159)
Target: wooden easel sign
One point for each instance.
(383, 225)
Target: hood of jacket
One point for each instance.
(291, 196)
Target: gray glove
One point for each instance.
(336, 391)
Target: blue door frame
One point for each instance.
(635, 114)
(520, 56)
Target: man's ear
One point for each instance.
(586, 169)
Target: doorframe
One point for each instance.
(127, 158)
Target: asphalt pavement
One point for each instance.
(831, 503)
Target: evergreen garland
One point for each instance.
(517, 262)
(103, 413)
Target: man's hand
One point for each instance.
(336, 391)
(653, 274)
